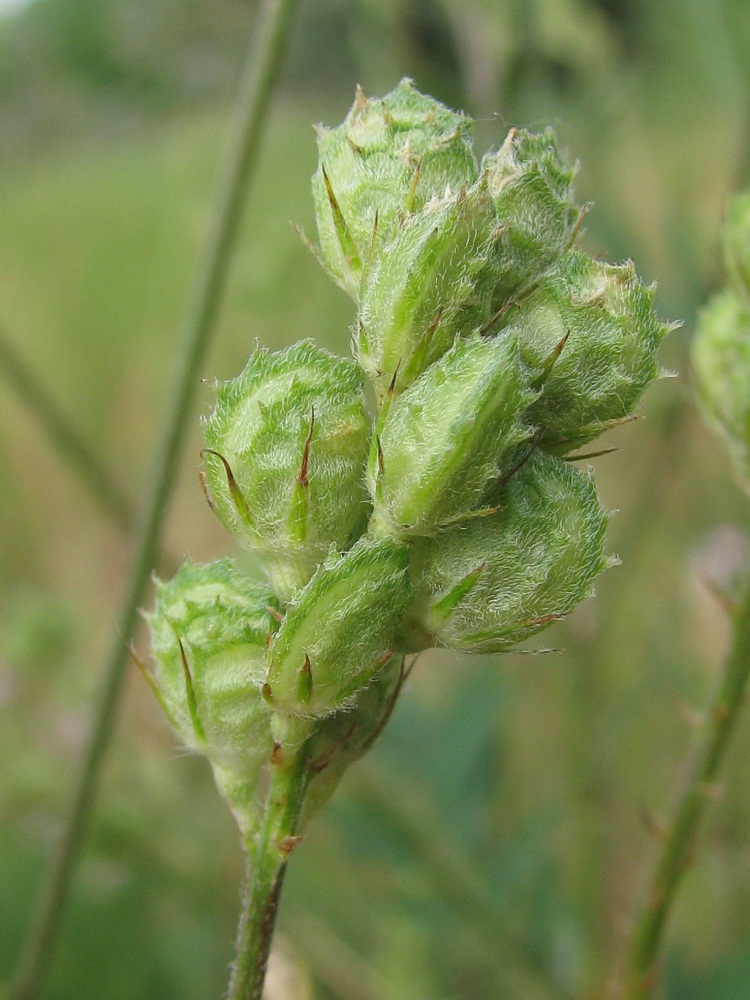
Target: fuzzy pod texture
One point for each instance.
(449, 436)
(432, 285)
(209, 628)
(721, 364)
(388, 159)
(286, 447)
(531, 188)
(339, 631)
(590, 334)
(491, 583)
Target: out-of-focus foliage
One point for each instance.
(507, 852)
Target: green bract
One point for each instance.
(386, 160)
(285, 452)
(433, 285)
(449, 436)
(444, 518)
(209, 629)
(489, 584)
(340, 630)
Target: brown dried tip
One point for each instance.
(287, 844)
(359, 98)
(302, 477)
(277, 754)
(204, 488)
(381, 463)
(275, 613)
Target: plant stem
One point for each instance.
(262, 66)
(700, 789)
(268, 853)
(72, 447)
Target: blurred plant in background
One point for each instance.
(109, 119)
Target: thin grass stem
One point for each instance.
(262, 66)
(65, 438)
(699, 791)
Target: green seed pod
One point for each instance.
(530, 185)
(342, 738)
(433, 284)
(491, 583)
(388, 159)
(209, 628)
(286, 447)
(338, 632)
(721, 362)
(590, 333)
(449, 436)
(736, 238)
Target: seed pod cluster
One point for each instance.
(447, 516)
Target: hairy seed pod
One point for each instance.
(286, 447)
(433, 284)
(530, 186)
(338, 632)
(449, 436)
(489, 584)
(209, 628)
(387, 160)
(590, 334)
(721, 362)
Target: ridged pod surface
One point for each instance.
(286, 446)
(209, 628)
(388, 158)
(590, 334)
(489, 584)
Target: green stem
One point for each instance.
(262, 66)
(268, 853)
(72, 447)
(700, 789)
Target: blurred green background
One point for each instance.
(494, 844)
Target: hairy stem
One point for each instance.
(261, 70)
(71, 446)
(268, 853)
(700, 789)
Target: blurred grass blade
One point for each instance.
(456, 879)
(262, 65)
(699, 791)
(67, 441)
